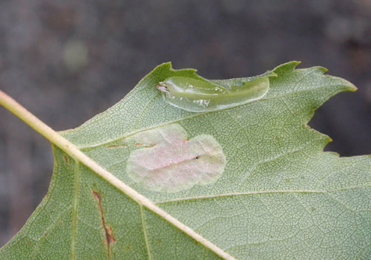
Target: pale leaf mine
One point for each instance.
(168, 162)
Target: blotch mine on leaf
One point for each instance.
(169, 162)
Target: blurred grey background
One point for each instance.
(67, 60)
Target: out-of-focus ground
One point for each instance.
(68, 60)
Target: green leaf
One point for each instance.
(276, 194)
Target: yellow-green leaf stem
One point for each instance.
(56, 139)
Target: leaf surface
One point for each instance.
(279, 196)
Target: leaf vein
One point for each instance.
(145, 232)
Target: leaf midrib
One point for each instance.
(73, 151)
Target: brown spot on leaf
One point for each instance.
(107, 229)
(117, 145)
(66, 159)
(145, 146)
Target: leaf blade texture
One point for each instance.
(280, 196)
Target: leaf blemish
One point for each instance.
(109, 238)
(117, 145)
(202, 95)
(169, 162)
(65, 159)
